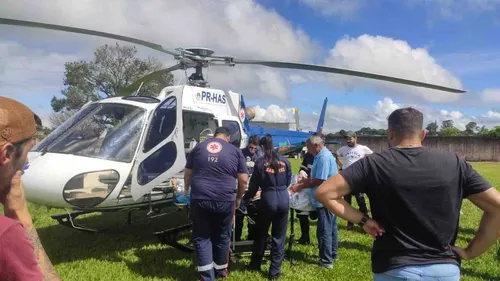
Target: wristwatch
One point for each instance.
(363, 220)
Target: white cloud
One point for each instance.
(329, 8)
(241, 28)
(274, 113)
(387, 56)
(353, 118)
(491, 96)
(30, 71)
(455, 9)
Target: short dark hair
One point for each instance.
(222, 131)
(254, 139)
(406, 121)
(321, 135)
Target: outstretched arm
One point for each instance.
(15, 207)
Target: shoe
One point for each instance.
(303, 241)
(349, 226)
(324, 265)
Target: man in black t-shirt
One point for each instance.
(415, 196)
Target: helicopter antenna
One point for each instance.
(138, 89)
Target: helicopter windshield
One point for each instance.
(107, 130)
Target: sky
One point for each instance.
(447, 42)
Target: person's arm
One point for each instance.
(242, 175)
(18, 260)
(316, 179)
(253, 186)
(351, 180)
(487, 198)
(339, 165)
(188, 172)
(15, 207)
(288, 172)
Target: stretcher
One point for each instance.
(237, 249)
(242, 248)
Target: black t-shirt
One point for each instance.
(416, 195)
(307, 163)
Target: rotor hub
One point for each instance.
(202, 52)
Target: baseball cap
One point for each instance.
(17, 121)
(351, 134)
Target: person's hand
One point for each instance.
(462, 253)
(373, 228)
(296, 188)
(14, 201)
(238, 203)
(258, 193)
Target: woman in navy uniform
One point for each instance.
(272, 173)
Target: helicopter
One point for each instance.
(121, 153)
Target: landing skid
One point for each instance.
(69, 221)
(155, 211)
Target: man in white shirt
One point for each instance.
(351, 153)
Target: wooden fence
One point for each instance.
(474, 148)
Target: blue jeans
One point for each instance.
(432, 272)
(327, 235)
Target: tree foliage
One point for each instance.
(111, 70)
(432, 128)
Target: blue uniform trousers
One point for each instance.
(212, 223)
(273, 209)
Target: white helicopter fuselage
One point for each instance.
(120, 152)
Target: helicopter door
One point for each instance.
(161, 150)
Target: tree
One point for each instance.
(447, 124)
(112, 69)
(493, 133)
(471, 128)
(57, 118)
(432, 128)
(450, 132)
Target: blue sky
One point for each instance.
(444, 42)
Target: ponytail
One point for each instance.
(270, 154)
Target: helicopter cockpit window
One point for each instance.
(162, 124)
(234, 130)
(111, 131)
(64, 127)
(194, 123)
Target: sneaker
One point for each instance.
(325, 265)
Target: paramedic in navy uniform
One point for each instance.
(211, 171)
(272, 173)
(250, 154)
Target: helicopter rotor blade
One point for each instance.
(87, 32)
(126, 91)
(312, 67)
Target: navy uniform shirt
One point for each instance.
(250, 158)
(215, 164)
(265, 177)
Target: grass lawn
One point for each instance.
(135, 254)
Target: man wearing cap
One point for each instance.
(212, 169)
(351, 153)
(22, 256)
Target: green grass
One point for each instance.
(135, 254)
